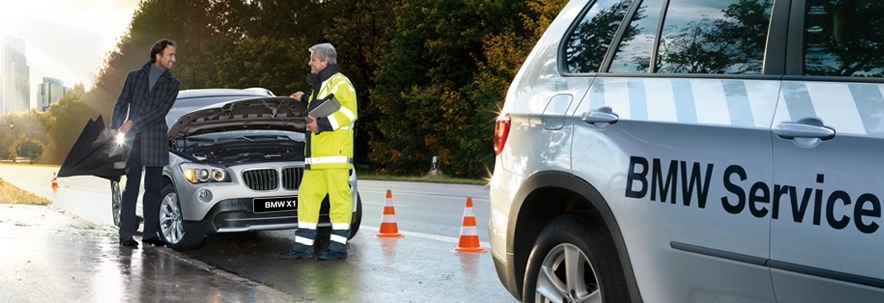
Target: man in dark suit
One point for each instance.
(140, 113)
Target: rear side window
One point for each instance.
(695, 37)
(714, 37)
(589, 39)
(844, 38)
(637, 44)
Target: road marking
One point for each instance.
(423, 236)
(414, 193)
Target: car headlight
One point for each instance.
(203, 173)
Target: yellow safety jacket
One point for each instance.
(334, 148)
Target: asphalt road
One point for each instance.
(421, 267)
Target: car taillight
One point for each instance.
(501, 132)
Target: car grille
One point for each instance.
(291, 177)
(261, 179)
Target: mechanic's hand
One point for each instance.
(127, 126)
(311, 124)
(297, 96)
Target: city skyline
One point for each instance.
(65, 39)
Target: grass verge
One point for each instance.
(10, 194)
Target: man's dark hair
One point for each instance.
(158, 48)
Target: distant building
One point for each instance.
(50, 91)
(15, 90)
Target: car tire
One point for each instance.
(172, 227)
(357, 217)
(116, 201)
(594, 261)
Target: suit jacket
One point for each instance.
(147, 109)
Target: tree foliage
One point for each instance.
(427, 96)
(430, 75)
(63, 122)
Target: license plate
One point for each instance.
(263, 205)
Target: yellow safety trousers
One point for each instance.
(314, 186)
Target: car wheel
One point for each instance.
(573, 261)
(357, 217)
(172, 223)
(116, 201)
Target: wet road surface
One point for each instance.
(409, 269)
(418, 268)
(47, 255)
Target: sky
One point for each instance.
(66, 39)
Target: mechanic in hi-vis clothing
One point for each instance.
(328, 161)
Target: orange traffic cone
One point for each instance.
(389, 229)
(54, 181)
(469, 235)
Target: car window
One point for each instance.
(714, 37)
(634, 53)
(844, 38)
(588, 41)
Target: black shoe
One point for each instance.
(128, 241)
(293, 254)
(329, 254)
(156, 241)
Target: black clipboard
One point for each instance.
(325, 107)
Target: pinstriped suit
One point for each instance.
(147, 108)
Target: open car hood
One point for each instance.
(277, 113)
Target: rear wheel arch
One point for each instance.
(545, 196)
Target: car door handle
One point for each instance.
(601, 115)
(804, 128)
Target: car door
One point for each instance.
(826, 233)
(679, 149)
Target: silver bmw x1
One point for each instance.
(236, 158)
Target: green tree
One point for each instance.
(505, 52)
(63, 122)
(18, 131)
(26, 147)
(360, 35)
(430, 75)
(263, 62)
(423, 82)
(201, 28)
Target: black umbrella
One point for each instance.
(95, 153)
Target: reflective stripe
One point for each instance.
(328, 160)
(388, 218)
(469, 230)
(348, 113)
(334, 120)
(337, 238)
(305, 241)
(336, 87)
(743, 103)
(307, 225)
(340, 226)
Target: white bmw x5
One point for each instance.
(695, 151)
